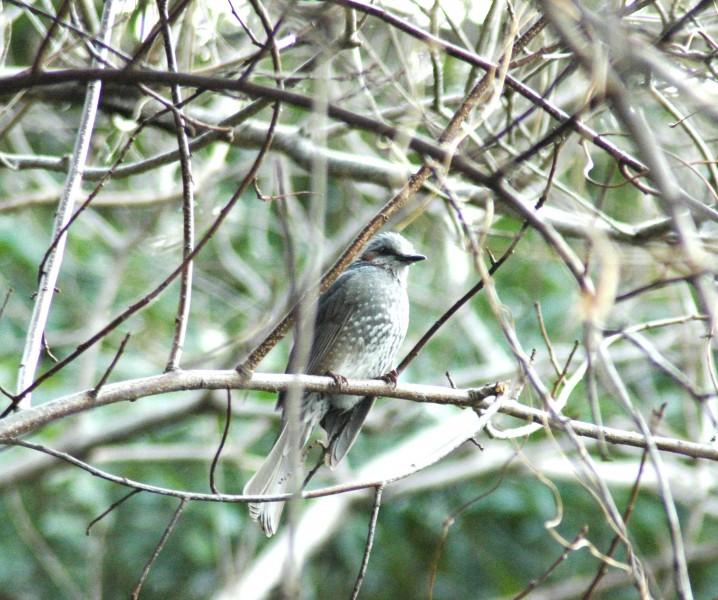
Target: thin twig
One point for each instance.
(654, 285)
(630, 505)
(146, 571)
(451, 519)
(546, 339)
(47, 39)
(437, 66)
(680, 568)
(112, 507)
(369, 541)
(562, 375)
(113, 364)
(149, 41)
(554, 565)
(185, 294)
(418, 347)
(676, 26)
(225, 433)
(5, 301)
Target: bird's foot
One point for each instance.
(318, 464)
(391, 378)
(245, 373)
(339, 380)
(315, 444)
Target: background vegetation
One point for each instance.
(238, 150)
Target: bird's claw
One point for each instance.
(391, 378)
(339, 380)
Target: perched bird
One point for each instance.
(361, 321)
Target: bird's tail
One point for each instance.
(274, 476)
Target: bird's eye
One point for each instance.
(369, 256)
(387, 251)
(381, 251)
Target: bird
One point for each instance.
(361, 320)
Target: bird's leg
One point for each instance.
(323, 445)
(391, 378)
(339, 380)
(319, 463)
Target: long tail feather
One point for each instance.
(272, 478)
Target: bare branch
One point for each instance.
(30, 420)
(47, 278)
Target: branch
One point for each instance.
(443, 154)
(21, 471)
(188, 230)
(245, 183)
(463, 426)
(50, 269)
(29, 420)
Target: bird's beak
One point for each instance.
(412, 258)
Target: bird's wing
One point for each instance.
(333, 313)
(332, 316)
(342, 428)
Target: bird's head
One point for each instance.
(390, 251)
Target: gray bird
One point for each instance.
(360, 323)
